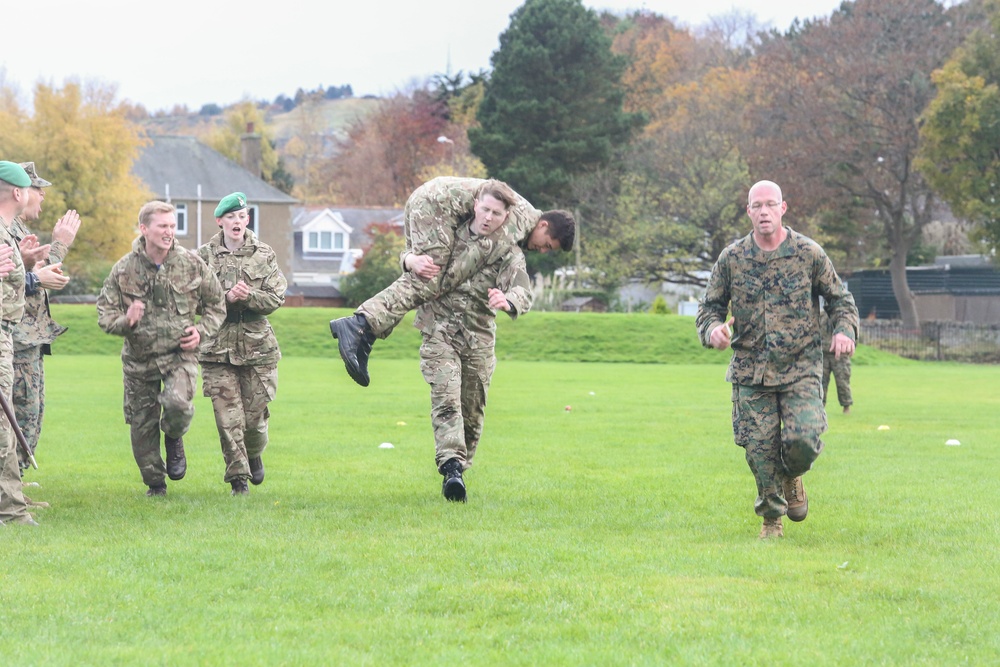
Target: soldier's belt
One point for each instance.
(244, 316)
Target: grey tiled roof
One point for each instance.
(184, 163)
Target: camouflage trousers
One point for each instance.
(459, 377)
(158, 402)
(240, 395)
(779, 428)
(430, 234)
(29, 397)
(841, 370)
(12, 505)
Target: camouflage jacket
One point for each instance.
(246, 337)
(774, 298)
(465, 313)
(439, 208)
(36, 326)
(174, 293)
(12, 287)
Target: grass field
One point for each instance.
(619, 533)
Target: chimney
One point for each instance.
(250, 151)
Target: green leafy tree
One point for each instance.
(960, 134)
(552, 107)
(378, 266)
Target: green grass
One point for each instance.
(619, 533)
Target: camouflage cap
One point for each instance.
(14, 174)
(36, 180)
(233, 202)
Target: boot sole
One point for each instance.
(454, 490)
(355, 373)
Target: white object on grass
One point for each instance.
(953, 442)
(385, 445)
(883, 427)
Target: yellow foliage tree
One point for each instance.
(81, 140)
(227, 139)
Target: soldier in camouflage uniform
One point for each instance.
(240, 364)
(457, 359)
(454, 227)
(152, 297)
(15, 185)
(771, 280)
(36, 331)
(839, 367)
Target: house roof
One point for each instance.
(183, 163)
(356, 218)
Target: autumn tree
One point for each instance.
(960, 149)
(82, 142)
(836, 118)
(242, 118)
(553, 104)
(378, 266)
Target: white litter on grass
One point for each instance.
(953, 442)
(843, 566)
(386, 445)
(400, 423)
(883, 427)
(593, 394)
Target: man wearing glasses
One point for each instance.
(771, 281)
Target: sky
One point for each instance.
(201, 52)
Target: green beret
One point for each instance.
(233, 202)
(36, 180)
(14, 174)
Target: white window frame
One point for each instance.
(182, 218)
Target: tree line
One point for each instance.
(878, 121)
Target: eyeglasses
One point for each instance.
(757, 205)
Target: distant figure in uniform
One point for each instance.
(839, 367)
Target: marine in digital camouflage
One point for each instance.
(840, 367)
(777, 360)
(239, 365)
(436, 219)
(457, 354)
(159, 376)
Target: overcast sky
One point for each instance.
(197, 52)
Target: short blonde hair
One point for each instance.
(151, 208)
(499, 191)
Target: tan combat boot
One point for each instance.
(771, 528)
(795, 496)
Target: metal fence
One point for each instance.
(935, 341)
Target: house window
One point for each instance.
(182, 219)
(338, 241)
(323, 241)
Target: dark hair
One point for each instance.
(562, 227)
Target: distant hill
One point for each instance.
(333, 117)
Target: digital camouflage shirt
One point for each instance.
(774, 298)
(37, 326)
(174, 293)
(465, 313)
(246, 337)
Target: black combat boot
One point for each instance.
(176, 462)
(453, 486)
(355, 339)
(256, 471)
(240, 487)
(158, 490)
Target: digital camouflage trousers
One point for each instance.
(779, 428)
